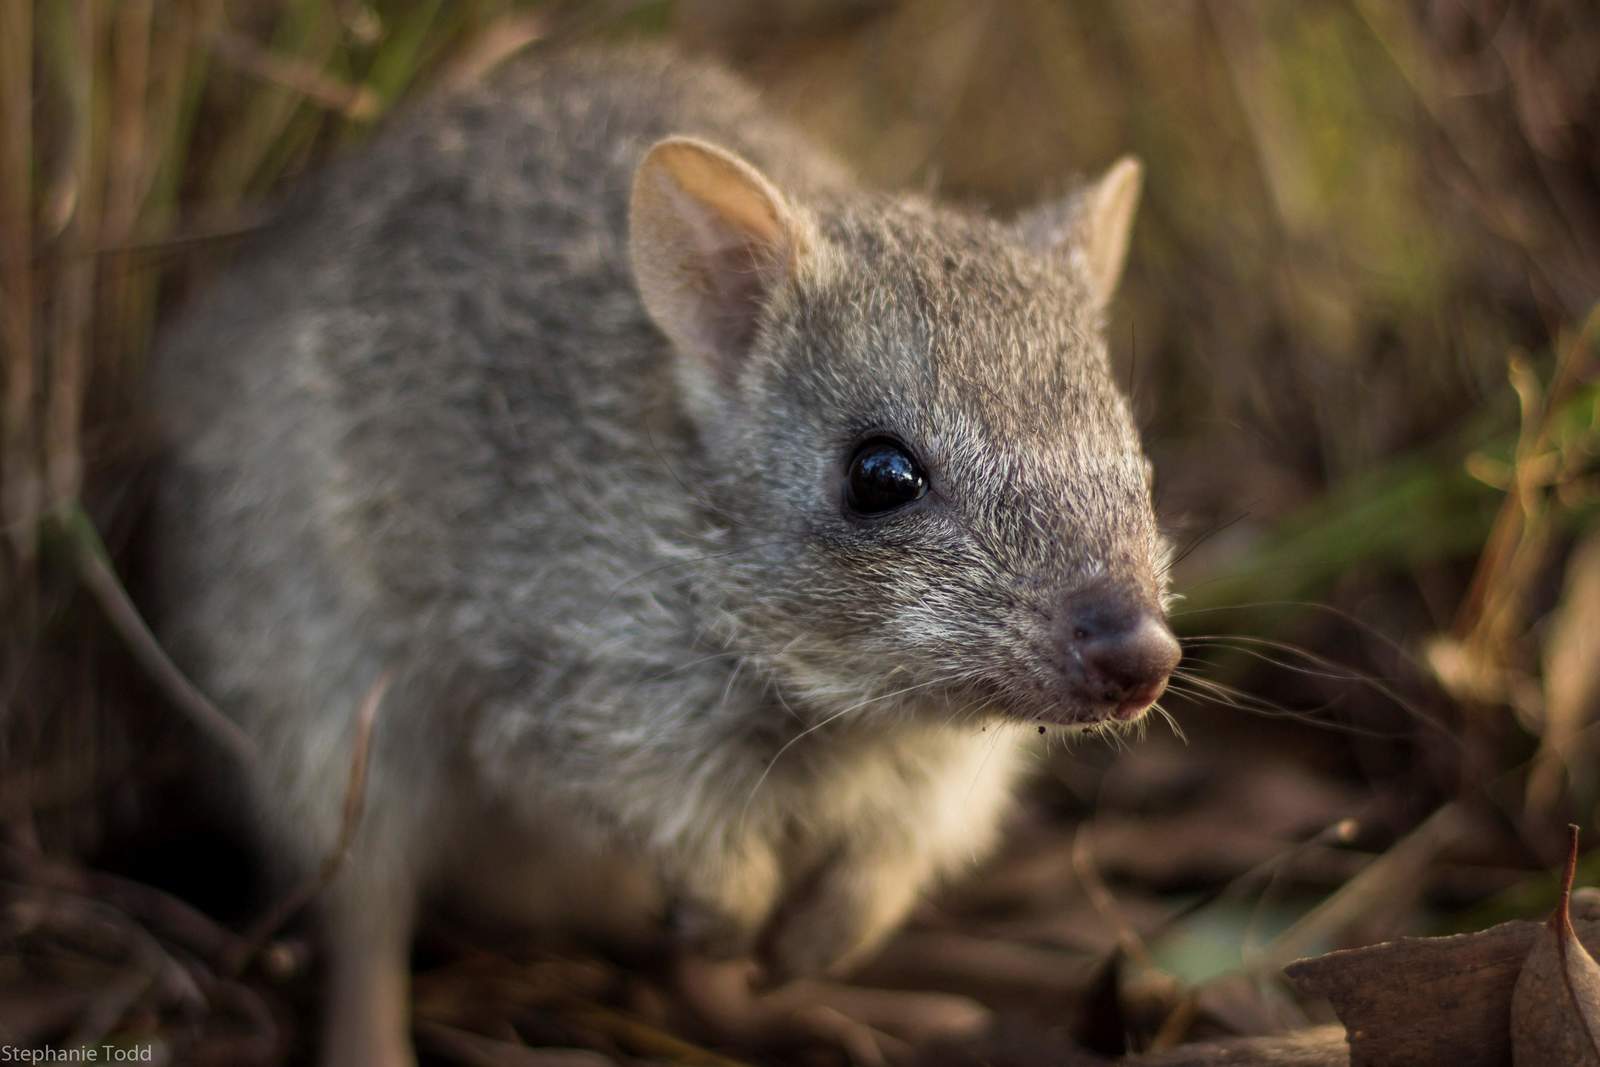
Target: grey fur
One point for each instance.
(426, 428)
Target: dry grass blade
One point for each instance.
(1571, 683)
(354, 803)
(1495, 611)
(94, 567)
(174, 920)
(19, 483)
(492, 46)
(74, 196)
(355, 102)
(105, 957)
(1083, 865)
(1390, 878)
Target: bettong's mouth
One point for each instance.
(1128, 709)
(1121, 709)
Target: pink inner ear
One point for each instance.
(737, 280)
(711, 243)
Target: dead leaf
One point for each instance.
(1441, 1001)
(1427, 1001)
(1555, 1009)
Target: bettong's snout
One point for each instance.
(1117, 651)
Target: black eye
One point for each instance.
(883, 476)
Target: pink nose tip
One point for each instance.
(1124, 650)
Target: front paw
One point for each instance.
(870, 1026)
(839, 917)
(706, 930)
(719, 904)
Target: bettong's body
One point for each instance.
(698, 507)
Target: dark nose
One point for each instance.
(1124, 647)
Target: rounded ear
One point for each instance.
(1095, 221)
(711, 240)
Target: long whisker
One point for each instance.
(1284, 646)
(1328, 669)
(994, 742)
(808, 731)
(1239, 702)
(1172, 723)
(1243, 649)
(1196, 542)
(1206, 690)
(1328, 609)
(1185, 682)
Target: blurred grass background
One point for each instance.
(1358, 327)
